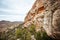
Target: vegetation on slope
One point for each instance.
(20, 33)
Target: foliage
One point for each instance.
(2, 36)
(32, 29)
(18, 33)
(25, 34)
(41, 36)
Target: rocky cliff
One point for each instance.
(45, 14)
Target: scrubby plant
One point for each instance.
(18, 33)
(32, 29)
(23, 34)
(42, 36)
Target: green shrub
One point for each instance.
(26, 33)
(18, 33)
(41, 36)
(32, 29)
(23, 34)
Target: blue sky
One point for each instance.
(14, 10)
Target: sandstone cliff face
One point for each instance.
(46, 14)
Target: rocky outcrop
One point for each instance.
(46, 14)
(52, 18)
(35, 14)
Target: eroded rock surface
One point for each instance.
(46, 14)
(52, 18)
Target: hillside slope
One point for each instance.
(4, 25)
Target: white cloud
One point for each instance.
(16, 7)
(12, 17)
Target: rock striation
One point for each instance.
(45, 14)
